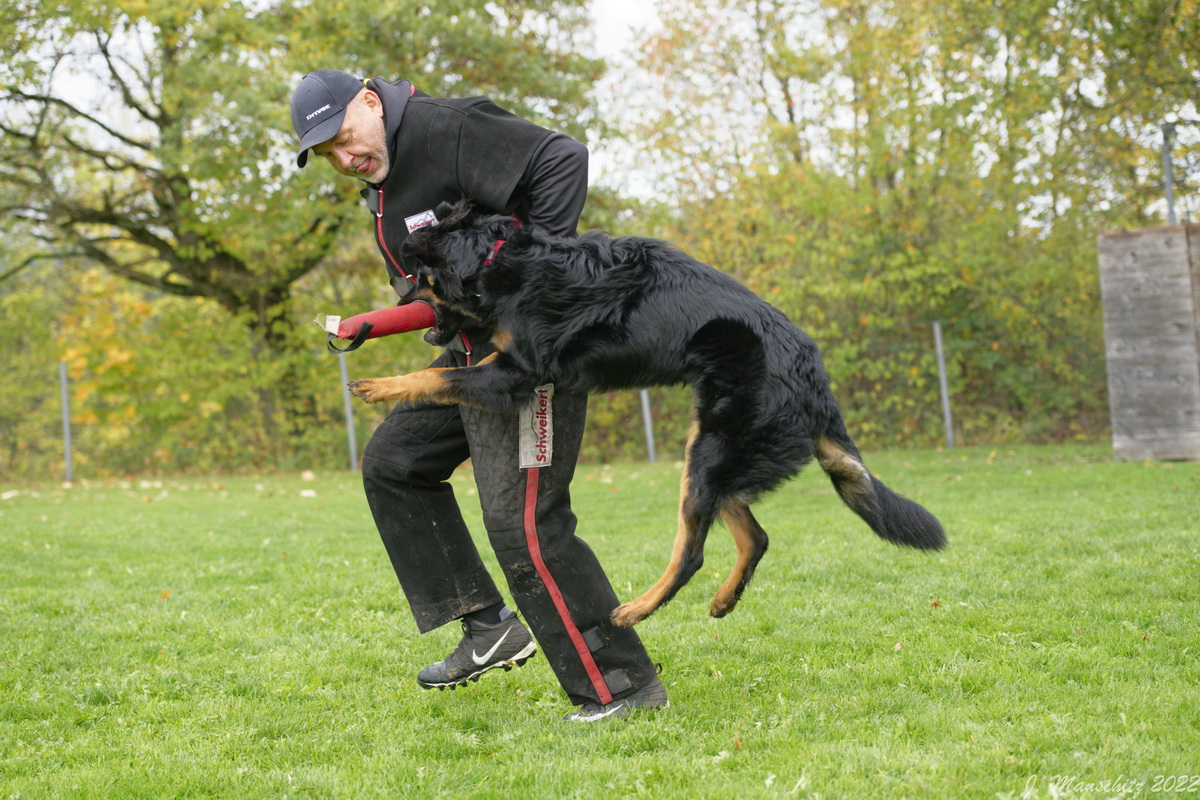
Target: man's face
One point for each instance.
(360, 148)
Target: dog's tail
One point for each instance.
(895, 518)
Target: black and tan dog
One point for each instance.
(596, 313)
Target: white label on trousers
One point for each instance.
(536, 421)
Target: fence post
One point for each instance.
(66, 419)
(941, 362)
(648, 424)
(348, 405)
(1168, 130)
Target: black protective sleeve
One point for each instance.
(551, 193)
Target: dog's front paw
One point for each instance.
(629, 614)
(369, 389)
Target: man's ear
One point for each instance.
(371, 101)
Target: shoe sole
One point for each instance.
(620, 712)
(518, 660)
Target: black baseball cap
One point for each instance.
(319, 106)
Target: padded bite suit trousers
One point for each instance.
(555, 579)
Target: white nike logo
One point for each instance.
(592, 718)
(479, 662)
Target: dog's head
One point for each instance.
(450, 256)
(454, 251)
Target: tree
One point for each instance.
(874, 165)
(153, 137)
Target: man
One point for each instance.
(413, 152)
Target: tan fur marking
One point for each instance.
(740, 526)
(466, 312)
(426, 293)
(836, 461)
(501, 340)
(635, 611)
(428, 386)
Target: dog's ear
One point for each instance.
(419, 246)
(447, 284)
(433, 269)
(453, 217)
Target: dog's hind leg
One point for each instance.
(696, 515)
(751, 541)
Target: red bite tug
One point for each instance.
(373, 324)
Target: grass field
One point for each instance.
(245, 637)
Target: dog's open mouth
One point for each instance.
(443, 330)
(439, 336)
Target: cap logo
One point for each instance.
(325, 107)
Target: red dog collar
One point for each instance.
(487, 262)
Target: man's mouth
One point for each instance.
(365, 166)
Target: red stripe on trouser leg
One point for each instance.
(535, 555)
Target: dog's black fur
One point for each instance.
(597, 313)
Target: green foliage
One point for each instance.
(521, 54)
(174, 385)
(152, 139)
(167, 176)
(869, 166)
(616, 425)
(30, 433)
(887, 164)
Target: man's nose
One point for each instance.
(343, 158)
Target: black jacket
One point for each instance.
(442, 150)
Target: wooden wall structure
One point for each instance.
(1150, 285)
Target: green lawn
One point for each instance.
(234, 637)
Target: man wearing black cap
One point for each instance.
(414, 152)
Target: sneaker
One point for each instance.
(652, 695)
(483, 647)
